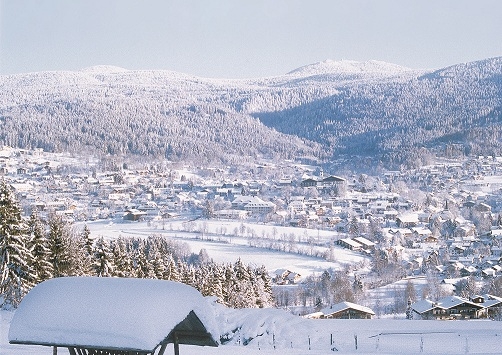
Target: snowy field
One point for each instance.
(291, 335)
(222, 245)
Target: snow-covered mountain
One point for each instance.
(350, 67)
(363, 108)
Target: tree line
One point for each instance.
(33, 250)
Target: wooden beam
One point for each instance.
(54, 350)
(162, 349)
(176, 345)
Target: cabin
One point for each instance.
(347, 310)
(113, 316)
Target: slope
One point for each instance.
(149, 113)
(329, 108)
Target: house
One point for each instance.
(134, 215)
(286, 277)
(335, 182)
(308, 183)
(426, 309)
(493, 304)
(407, 220)
(258, 206)
(231, 214)
(367, 244)
(347, 310)
(350, 244)
(422, 233)
(296, 206)
(451, 307)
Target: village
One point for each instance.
(444, 218)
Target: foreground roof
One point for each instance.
(110, 313)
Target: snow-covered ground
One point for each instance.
(222, 245)
(272, 331)
(291, 335)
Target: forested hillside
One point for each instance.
(394, 116)
(378, 109)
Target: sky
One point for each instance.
(244, 38)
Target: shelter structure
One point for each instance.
(113, 316)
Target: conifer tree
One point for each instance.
(39, 247)
(16, 278)
(143, 268)
(188, 274)
(88, 241)
(121, 259)
(157, 262)
(103, 259)
(216, 281)
(59, 246)
(171, 271)
(264, 294)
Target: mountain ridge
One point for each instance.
(316, 111)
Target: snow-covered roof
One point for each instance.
(351, 242)
(346, 305)
(454, 301)
(424, 306)
(364, 241)
(107, 313)
(409, 218)
(491, 301)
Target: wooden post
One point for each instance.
(176, 345)
(54, 350)
(162, 349)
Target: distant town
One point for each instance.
(443, 218)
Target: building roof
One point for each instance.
(364, 241)
(409, 218)
(112, 313)
(454, 301)
(424, 306)
(351, 242)
(342, 306)
(444, 303)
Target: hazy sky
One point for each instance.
(235, 39)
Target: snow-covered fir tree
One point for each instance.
(121, 260)
(59, 246)
(16, 278)
(103, 259)
(39, 247)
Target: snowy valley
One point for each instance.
(279, 199)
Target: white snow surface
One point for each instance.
(106, 312)
(274, 331)
(223, 247)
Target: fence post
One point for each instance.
(355, 340)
